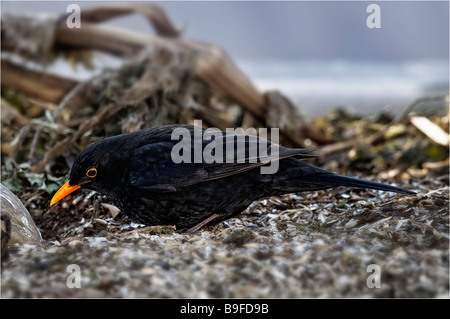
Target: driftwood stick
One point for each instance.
(103, 38)
(215, 68)
(154, 14)
(47, 87)
(213, 118)
(210, 63)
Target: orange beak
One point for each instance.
(65, 190)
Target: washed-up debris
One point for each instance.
(23, 230)
(433, 131)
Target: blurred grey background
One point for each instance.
(321, 54)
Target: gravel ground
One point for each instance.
(318, 244)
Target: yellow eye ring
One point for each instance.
(92, 172)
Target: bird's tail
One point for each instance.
(339, 180)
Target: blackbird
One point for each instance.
(142, 174)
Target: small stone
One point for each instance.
(350, 224)
(147, 271)
(75, 243)
(239, 237)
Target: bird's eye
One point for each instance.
(92, 172)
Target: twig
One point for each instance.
(50, 88)
(33, 145)
(336, 147)
(68, 97)
(53, 126)
(18, 140)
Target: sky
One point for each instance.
(410, 30)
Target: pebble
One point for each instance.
(350, 224)
(75, 243)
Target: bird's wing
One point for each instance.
(152, 166)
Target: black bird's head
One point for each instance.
(98, 167)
